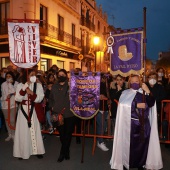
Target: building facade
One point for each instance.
(67, 29)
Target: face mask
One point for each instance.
(62, 79)
(160, 74)
(152, 81)
(3, 75)
(9, 80)
(33, 79)
(135, 86)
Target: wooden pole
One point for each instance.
(83, 142)
(144, 74)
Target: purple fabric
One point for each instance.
(133, 42)
(84, 95)
(138, 148)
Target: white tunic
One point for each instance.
(28, 141)
(121, 143)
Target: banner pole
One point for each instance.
(83, 142)
(144, 44)
(144, 74)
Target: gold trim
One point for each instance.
(128, 73)
(85, 118)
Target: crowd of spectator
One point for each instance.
(158, 83)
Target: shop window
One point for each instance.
(72, 65)
(44, 64)
(60, 64)
(5, 61)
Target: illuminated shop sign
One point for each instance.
(61, 53)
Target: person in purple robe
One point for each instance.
(136, 135)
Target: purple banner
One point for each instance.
(126, 53)
(84, 95)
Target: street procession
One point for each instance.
(77, 92)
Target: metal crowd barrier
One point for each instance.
(163, 102)
(88, 128)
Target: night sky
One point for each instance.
(128, 14)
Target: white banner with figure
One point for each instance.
(24, 44)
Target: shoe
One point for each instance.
(8, 138)
(51, 130)
(39, 156)
(102, 146)
(43, 137)
(61, 158)
(20, 159)
(67, 156)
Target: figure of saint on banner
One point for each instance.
(19, 44)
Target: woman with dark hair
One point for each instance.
(115, 91)
(28, 139)
(58, 101)
(51, 78)
(8, 89)
(161, 76)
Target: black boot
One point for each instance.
(141, 168)
(67, 156)
(60, 158)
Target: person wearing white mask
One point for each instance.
(2, 79)
(28, 138)
(8, 89)
(161, 76)
(157, 91)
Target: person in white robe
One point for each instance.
(128, 140)
(28, 138)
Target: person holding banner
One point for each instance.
(136, 142)
(59, 103)
(28, 138)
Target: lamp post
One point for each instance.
(96, 41)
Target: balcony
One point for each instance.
(58, 34)
(52, 32)
(87, 23)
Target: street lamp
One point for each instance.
(96, 41)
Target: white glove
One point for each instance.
(25, 86)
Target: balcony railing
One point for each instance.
(87, 23)
(58, 34)
(53, 32)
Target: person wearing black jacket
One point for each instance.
(115, 93)
(59, 100)
(157, 91)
